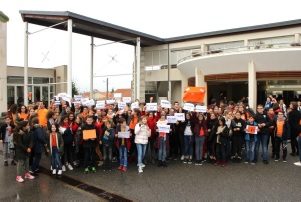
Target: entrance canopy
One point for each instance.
(88, 26)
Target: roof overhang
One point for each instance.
(285, 59)
(90, 27)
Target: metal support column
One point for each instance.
(69, 68)
(26, 64)
(92, 64)
(138, 67)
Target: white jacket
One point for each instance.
(142, 132)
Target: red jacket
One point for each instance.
(152, 122)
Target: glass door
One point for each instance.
(20, 94)
(45, 93)
(37, 93)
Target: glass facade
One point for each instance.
(38, 89)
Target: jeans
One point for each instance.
(67, 156)
(89, 157)
(263, 141)
(250, 147)
(162, 149)
(8, 154)
(280, 143)
(141, 148)
(188, 143)
(36, 161)
(123, 156)
(221, 151)
(107, 156)
(299, 146)
(55, 159)
(199, 142)
(22, 165)
(236, 145)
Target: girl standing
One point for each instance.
(23, 142)
(143, 132)
(56, 145)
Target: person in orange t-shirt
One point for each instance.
(281, 136)
(42, 113)
(23, 113)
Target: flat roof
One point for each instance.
(100, 29)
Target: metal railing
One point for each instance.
(240, 49)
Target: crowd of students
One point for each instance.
(86, 137)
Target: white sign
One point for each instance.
(163, 128)
(172, 119)
(151, 107)
(84, 101)
(189, 107)
(180, 116)
(127, 99)
(200, 108)
(76, 103)
(57, 102)
(117, 95)
(67, 99)
(77, 98)
(109, 102)
(124, 134)
(100, 104)
(90, 103)
(135, 105)
(165, 104)
(121, 105)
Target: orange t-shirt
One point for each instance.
(53, 140)
(279, 131)
(42, 117)
(23, 116)
(133, 123)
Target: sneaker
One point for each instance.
(185, 160)
(63, 168)
(298, 163)
(159, 163)
(51, 168)
(59, 172)
(284, 160)
(276, 160)
(13, 163)
(93, 169)
(70, 167)
(189, 161)
(246, 162)
(100, 163)
(120, 168)
(182, 157)
(19, 179)
(29, 176)
(140, 170)
(164, 164)
(5, 163)
(253, 164)
(53, 171)
(124, 169)
(86, 170)
(143, 165)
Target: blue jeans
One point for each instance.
(262, 139)
(199, 142)
(162, 149)
(250, 147)
(299, 146)
(123, 156)
(36, 161)
(141, 148)
(188, 145)
(55, 159)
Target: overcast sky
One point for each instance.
(164, 19)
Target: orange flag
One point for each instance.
(194, 94)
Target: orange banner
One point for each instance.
(89, 134)
(194, 94)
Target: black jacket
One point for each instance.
(240, 124)
(89, 143)
(39, 139)
(294, 120)
(23, 142)
(262, 118)
(3, 130)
